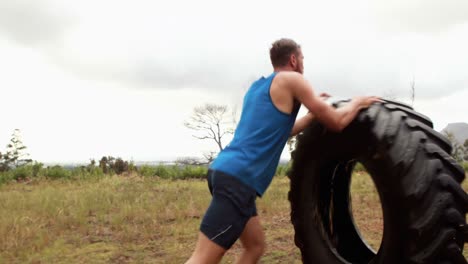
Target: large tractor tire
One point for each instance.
(417, 181)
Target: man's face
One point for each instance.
(298, 62)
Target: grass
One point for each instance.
(142, 220)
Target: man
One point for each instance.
(245, 168)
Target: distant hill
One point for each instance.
(459, 131)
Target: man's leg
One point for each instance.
(253, 241)
(206, 251)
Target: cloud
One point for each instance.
(386, 65)
(427, 16)
(32, 22)
(150, 62)
(153, 71)
(156, 46)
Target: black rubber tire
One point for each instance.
(418, 183)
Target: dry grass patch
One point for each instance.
(141, 220)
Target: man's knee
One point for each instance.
(206, 251)
(262, 248)
(256, 247)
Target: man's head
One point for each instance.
(286, 54)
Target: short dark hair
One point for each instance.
(281, 51)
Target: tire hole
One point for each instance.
(366, 207)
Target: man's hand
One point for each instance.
(324, 96)
(365, 101)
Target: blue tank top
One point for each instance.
(254, 152)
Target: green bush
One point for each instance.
(165, 172)
(465, 166)
(174, 171)
(88, 172)
(132, 167)
(283, 169)
(146, 171)
(57, 172)
(21, 173)
(37, 169)
(94, 172)
(193, 172)
(359, 167)
(5, 176)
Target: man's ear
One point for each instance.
(293, 60)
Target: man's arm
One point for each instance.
(304, 121)
(332, 118)
(301, 124)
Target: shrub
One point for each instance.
(174, 171)
(164, 171)
(21, 173)
(465, 166)
(86, 172)
(283, 170)
(146, 171)
(5, 177)
(119, 166)
(94, 171)
(57, 172)
(193, 172)
(37, 169)
(359, 167)
(132, 167)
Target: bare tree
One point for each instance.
(212, 122)
(209, 156)
(413, 91)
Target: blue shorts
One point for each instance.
(232, 205)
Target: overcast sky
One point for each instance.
(83, 79)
